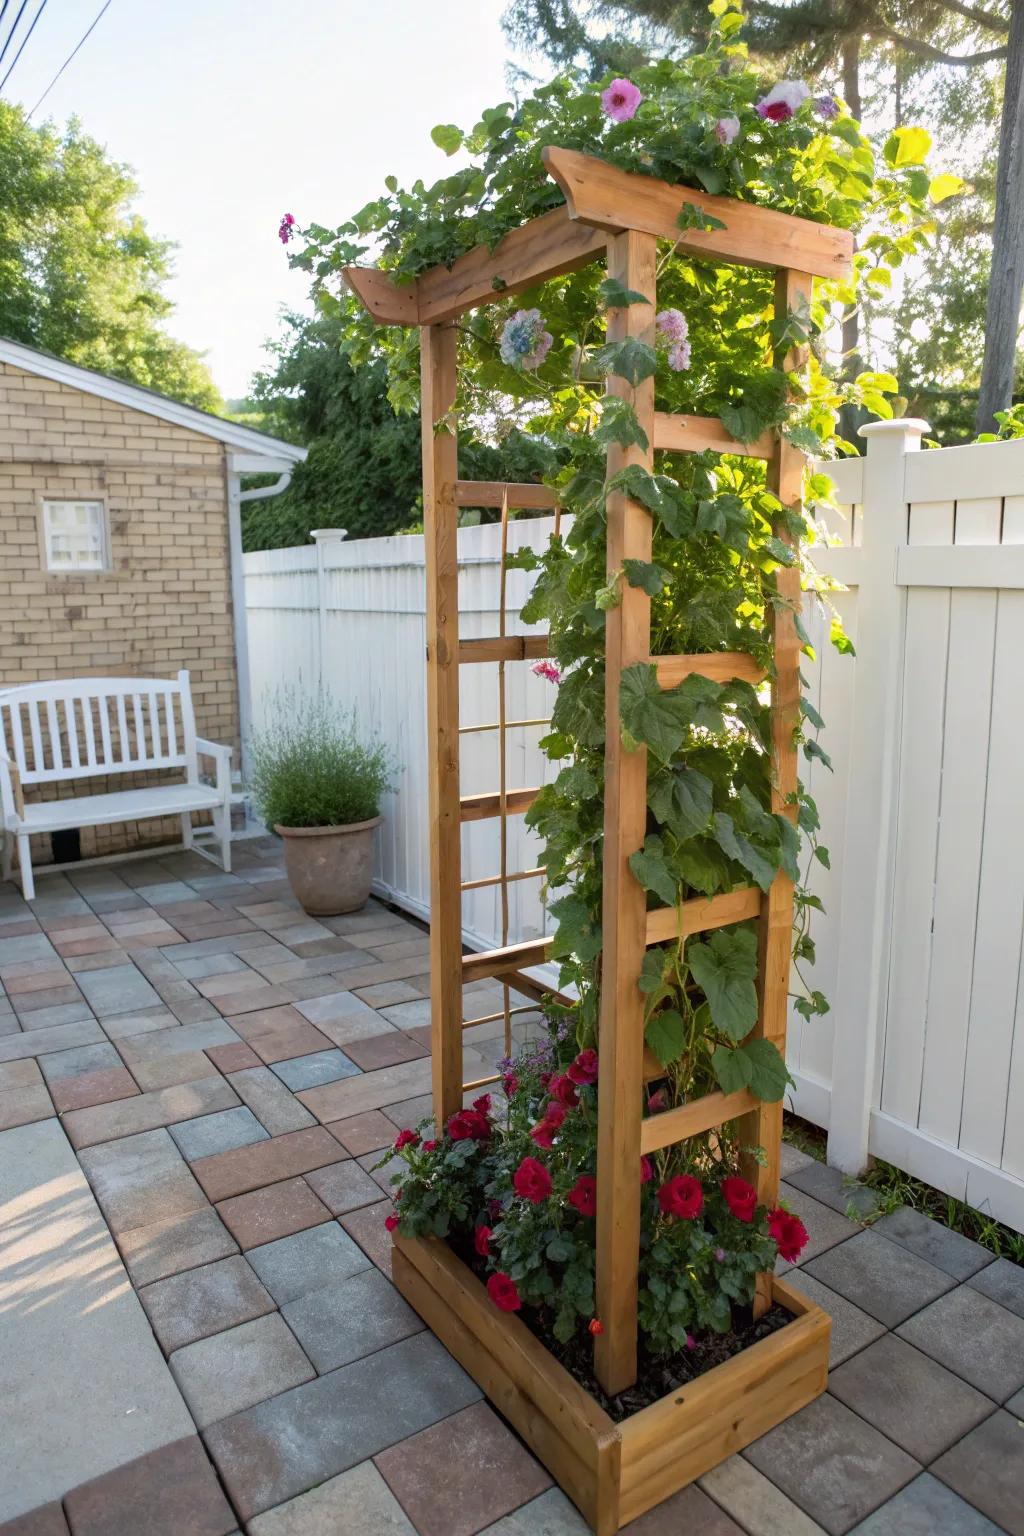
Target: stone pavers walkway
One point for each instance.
(225, 1072)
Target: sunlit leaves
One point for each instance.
(630, 359)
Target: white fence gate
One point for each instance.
(921, 1060)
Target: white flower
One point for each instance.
(726, 129)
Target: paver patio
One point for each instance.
(225, 1072)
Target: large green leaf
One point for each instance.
(681, 799)
(576, 934)
(619, 425)
(629, 359)
(666, 1035)
(724, 966)
(651, 869)
(616, 296)
(732, 1068)
(768, 1075)
(650, 578)
(738, 846)
(702, 866)
(649, 713)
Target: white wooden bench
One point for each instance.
(81, 728)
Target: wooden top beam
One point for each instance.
(693, 434)
(602, 196)
(492, 493)
(378, 293)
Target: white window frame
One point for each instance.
(102, 526)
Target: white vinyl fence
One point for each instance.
(921, 1060)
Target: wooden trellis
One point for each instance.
(613, 1472)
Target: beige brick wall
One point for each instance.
(166, 603)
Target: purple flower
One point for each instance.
(726, 129)
(782, 101)
(621, 100)
(284, 229)
(524, 341)
(679, 357)
(826, 107)
(672, 324)
(720, 1255)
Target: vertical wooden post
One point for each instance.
(631, 259)
(438, 358)
(763, 1126)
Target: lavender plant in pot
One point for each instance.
(318, 780)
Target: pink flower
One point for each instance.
(646, 1170)
(547, 669)
(620, 101)
(584, 1069)
(406, 1139)
(510, 1083)
(782, 101)
(726, 129)
(720, 1255)
(656, 1102)
(672, 324)
(284, 229)
(583, 1195)
(679, 357)
(691, 1342)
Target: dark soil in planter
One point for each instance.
(658, 1375)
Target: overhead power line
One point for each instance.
(14, 27)
(24, 41)
(83, 39)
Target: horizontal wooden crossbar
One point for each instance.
(701, 1115)
(504, 648)
(524, 495)
(482, 807)
(721, 666)
(600, 195)
(498, 962)
(382, 297)
(695, 434)
(702, 914)
(520, 874)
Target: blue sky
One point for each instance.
(234, 111)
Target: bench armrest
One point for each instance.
(12, 801)
(222, 757)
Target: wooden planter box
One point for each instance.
(613, 1472)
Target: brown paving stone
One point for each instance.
(106, 1122)
(388, 994)
(291, 1041)
(167, 1247)
(371, 1090)
(170, 1492)
(49, 997)
(23, 1106)
(264, 1021)
(366, 1227)
(36, 981)
(267, 1214)
(19, 1074)
(251, 1001)
(688, 1510)
(364, 1133)
(233, 1058)
(384, 1050)
(48, 1520)
(100, 1087)
(446, 1495)
(103, 944)
(167, 1071)
(242, 1169)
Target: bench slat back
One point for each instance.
(82, 727)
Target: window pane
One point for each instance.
(74, 533)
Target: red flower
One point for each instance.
(776, 112)
(501, 1288)
(789, 1233)
(406, 1139)
(646, 1170)
(483, 1104)
(681, 1196)
(391, 1221)
(583, 1195)
(481, 1240)
(430, 1146)
(532, 1180)
(584, 1068)
(656, 1102)
(469, 1123)
(740, 1197)
(561, 1088)
(510, 1083)
(543, 1135)
(596, 1326)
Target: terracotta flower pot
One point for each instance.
(330, 868)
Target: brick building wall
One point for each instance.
(166, 602)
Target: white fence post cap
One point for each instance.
(316, 534)
(907, 426)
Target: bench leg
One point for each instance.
(8, 864)
(186, 829)
(28, 885)
(222, 822)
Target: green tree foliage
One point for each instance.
(80, 274)
(363, 469)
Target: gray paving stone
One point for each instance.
(550, 1515)
(833, 1465)
(208, 1134)
(125, 1026)
(880, 1278)
(987, 1469)
(350, 1318)
(117, 989)
(56, 1015)
(930, 1240)
(852, 1329)
(825, 1227)
(270, 1101)
(309, 1071)
(27, 946)
(343, 1186)
(926, 1507)
(357, 1503)
(791, 1158)
(1002, 1282)
(268, 1454)
(975, 1338)
(754, 1502)
(164, 1106)
(920, 1405)
(293, 1266)
(177, 1040)
(36, 1042)
(239, 1368)
(193, 1305)
(140, 1179)
(833, 1188)
(164, 1248)
(59, 1065)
